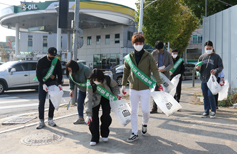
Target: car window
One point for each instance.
(25, 66)
(18, 67)
(32, 66)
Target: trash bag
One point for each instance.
(168, 86)
(223, 94)
(175, 82)
(213, 85)
(122, 111)
(165, 102)
(55, 95)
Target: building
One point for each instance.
(194, 49)
(107, 30)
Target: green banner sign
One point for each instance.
(40, 28)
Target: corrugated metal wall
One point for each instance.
(221, 29)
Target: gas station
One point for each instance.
(106, 28)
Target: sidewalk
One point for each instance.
(183, 132)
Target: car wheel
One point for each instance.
(2, 87)
(119, 81)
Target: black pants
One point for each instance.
(216, 96)
(105, 120)
(178, 90)
(42, 97)
(154, 103)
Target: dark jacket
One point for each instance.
(209, 62)
(167, 61)
(180, 69)
(146, 65)
(42, 68)
(80, 77)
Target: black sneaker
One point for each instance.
(153, 111)
(144, 129)
(204, 115)
(132, 138)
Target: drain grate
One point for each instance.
(18, 120)
(41, 139)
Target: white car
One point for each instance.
(18, 75)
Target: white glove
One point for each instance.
(60, 87)
(88, 120)
(123, 90)
(45, 87)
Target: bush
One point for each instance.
(231, 99)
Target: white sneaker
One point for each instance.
(51, 123)
(105, 139)
(144, 129)
(132, 138)
(92, 143)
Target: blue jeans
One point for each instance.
(80, 103)
(209, 99)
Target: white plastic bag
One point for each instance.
(168, 86)
(55, 95)
(122, 111)
(165, 102)
(223, 94)
(175, 82)
(213, 85)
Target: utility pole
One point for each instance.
(76, 35)
(141, 16)
(205, 8)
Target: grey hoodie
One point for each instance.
(212, 61)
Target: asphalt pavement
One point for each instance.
(183, 132)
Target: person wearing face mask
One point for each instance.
(178, 68)
(138, 66)
(78, 74)
(48, 67)
(211, 64)
(95, 98)
(164, 62)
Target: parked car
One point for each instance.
(188, 73)
(116, 73)
(18, 75)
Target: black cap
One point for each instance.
(175, 50)
(52, 51)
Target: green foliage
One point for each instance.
(168, 21)
(189, 24)
(213, 6)
(160, 20)
(231, 99)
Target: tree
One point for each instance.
(189, 23)
(160, 20)
(213, 6)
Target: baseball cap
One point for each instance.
(52, 51)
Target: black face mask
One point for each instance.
(51, 58)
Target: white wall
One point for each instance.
(87, 51)
(221, 29)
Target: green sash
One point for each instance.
(50, 71)
(102, 91)
(79, 84)
(139, 74)
(176, 65)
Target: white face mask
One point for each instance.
(138, 47)
(97, 82)
(174, 56)
(208, 51)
